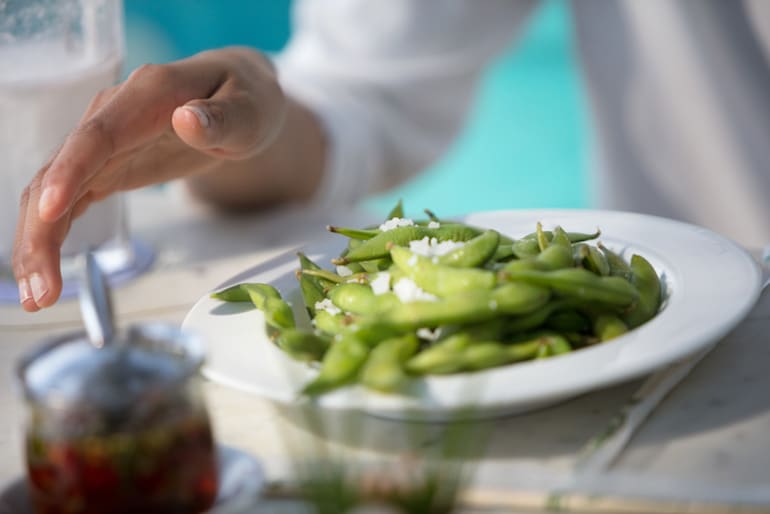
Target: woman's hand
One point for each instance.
(219, 115)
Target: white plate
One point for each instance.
(241, 480)
(711, 284)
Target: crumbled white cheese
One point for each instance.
(434, 224)
(407, 291)
(380, 284)
(344, 271)
(412, 260)
(428, 334)
(395, 223)
(328, 306)
(432, 247)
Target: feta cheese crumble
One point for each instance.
(434, 224)
(328, 306)
(407, 291)
(344, 271)
(395, 223)
(380, 284)
(432, 247)
(428, 334)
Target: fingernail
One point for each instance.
(38, 286)
(24, 291)
(202, 115)
(47, 198)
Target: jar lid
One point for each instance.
(144, 364)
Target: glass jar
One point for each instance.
(121, 429)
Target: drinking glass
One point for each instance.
(55, 55)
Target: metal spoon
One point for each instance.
(96, 304)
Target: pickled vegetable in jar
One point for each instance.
(121, 429)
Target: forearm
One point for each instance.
(289, 169)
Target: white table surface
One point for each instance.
(705, 448)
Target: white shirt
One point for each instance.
(679, 90)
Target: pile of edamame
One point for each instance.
(433, 297)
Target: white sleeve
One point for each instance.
(390, 80)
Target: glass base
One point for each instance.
(118, 264)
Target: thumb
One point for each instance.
(227, 125)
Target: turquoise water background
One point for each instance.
(524, 144)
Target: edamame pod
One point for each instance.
(384, 369)
(485, 355)
(264, 297)
(442, 358)
(312, 288)
(471, 307)
(302, 345)
(377, 246)
(647, 282)
(574, 237)
(397, 211)
(353, 233)
(608, 326)
(438, 279)
(582, 284)
(360, 299)
(618, 266)
(474, 253)
(568, 321)
(329, 323)
(242, 292)
(596, 261)
(340, 365)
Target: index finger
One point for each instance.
(139, 111)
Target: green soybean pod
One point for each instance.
(542, 240)
(525, 350)
(618, 266)
(278, 313)
(242, 292)
(608, 326)
(503, 252)
(360, 234)
(332, 279)
(439, 279)
(518, 298)
(561, 238)
(582, 284)
(312, 293)
(574, 237)
(397, 211)
(302, 345)
(568, 321)
(360, 299)
(377, 247)
(558, 345)
(554, 257)
(596, 261)
(340, 365)
(469, 307)
(525, 247)
(312, 288)
(531, 320)
(646, 280)
(473, 253)
(442, 358)
(384, 369)
(485, 355)
(523, 264)
(329, 323)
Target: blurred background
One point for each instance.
(525, 142)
